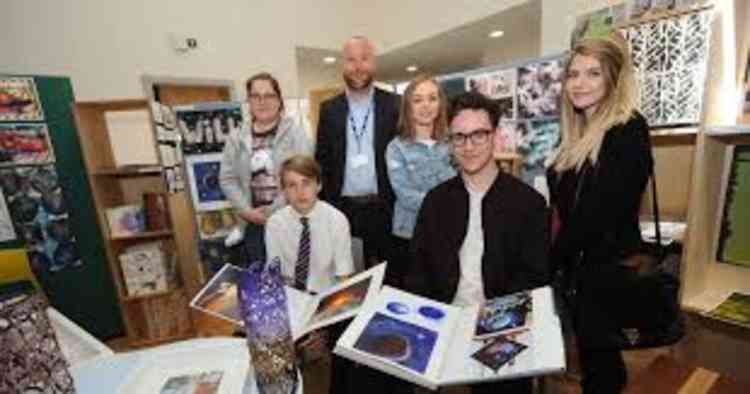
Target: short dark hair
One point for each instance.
(264, 76)
(477, 102)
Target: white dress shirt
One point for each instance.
(330, 244)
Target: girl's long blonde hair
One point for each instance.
(582, 138)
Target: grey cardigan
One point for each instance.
(234, 175)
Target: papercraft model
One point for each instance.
(263, 306)
(432, 344)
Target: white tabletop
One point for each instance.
(123, 372)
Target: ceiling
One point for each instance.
(461, 48)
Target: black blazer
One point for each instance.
(603, 223)
(515, 226)
(330, 150)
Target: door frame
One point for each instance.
(148, 82)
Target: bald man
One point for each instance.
(354, 129)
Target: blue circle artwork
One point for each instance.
(398, 308)
(431, 312)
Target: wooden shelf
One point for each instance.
(143, 236)
(139, 170)
(727, 130)
(150, 296)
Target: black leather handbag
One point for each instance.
(649, 313)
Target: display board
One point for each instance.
(734, 236)
(54, 219)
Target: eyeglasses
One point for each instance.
(477, 137)
(263, 97)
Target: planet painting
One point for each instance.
(405, 343)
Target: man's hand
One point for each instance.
(254, 215)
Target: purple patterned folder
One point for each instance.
(263, 306)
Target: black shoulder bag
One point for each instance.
(650, 315)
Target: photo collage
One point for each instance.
(33, 204)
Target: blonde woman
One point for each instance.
(596, 182)
(418, 160)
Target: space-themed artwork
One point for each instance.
(504, 314)
(40, 215)
(405, 343)
(498, 352)
(203, 177)
(263, 306)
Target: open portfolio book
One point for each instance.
(433, 344)
(307, 312)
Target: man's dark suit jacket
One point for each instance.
(515, 226)
(330, 150)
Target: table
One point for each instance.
(117, 372)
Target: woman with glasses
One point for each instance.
(596, 182)
(417, 161)
(251, 159)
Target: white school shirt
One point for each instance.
(470, 286)
(330, 244)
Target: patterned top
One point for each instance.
(263, 179)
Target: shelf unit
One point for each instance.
(153, 318)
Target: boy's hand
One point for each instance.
(314, 346)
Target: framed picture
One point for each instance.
(734, 228)
(19, 100)
(203, 178)
(204, 127)
(25, 143)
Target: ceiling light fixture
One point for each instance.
(496, 34)
(412, 68)
(329, 60)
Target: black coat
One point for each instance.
(601, 228)
(515, 226)
(603, 223)
(330, 150)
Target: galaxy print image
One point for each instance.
(404, 343)
(39, 213)
(498, 352)
(504, 314)
(431, 313)
(341, 301)
(398, 308)
(203, 176)
(263, 306)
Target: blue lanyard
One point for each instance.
(359, 132)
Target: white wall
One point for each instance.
(106, 45)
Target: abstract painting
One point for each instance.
(25, 143)
(405, 343)
(734, 236)
(670, 56)
(40, 214)
(19, 100)
(539, 89)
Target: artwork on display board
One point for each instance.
(168, 143)
(7, 233)
(597, 24)
(40, 215)
(214, 253)
(642, 8)
(452, 86)
(203, 178)
(495, 84)
(216, 224)
(734, 236)
(25, 143)
(19, 100)
(535, 140)
(204, 127)
(539, 88)
(734, 309)
(670, 56)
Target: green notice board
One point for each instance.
(84, 293)
(734, 240)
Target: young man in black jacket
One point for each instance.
(483, 233)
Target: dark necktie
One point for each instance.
(303, 256)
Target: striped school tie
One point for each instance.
(303, 256)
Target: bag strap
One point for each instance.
(660, 249)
